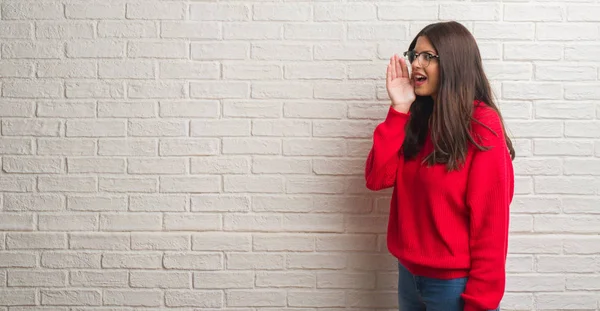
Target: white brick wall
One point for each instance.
(208, 155)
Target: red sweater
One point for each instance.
(448, 224)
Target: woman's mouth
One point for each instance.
(419, 79)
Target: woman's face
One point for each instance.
(425, 69)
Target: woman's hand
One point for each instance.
(399, 84)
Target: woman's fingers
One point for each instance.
(394, 69)
(404, 68)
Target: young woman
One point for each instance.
(444, 150)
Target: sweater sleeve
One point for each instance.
(383, 159)
(489, 194)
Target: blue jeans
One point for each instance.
(418, 293)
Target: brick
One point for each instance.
(223, 280)
(189, 147)
(17, 222)
(566, 32)
(315, 261)
(535, 204)
(33, 89)
(219, 203)
(95, 165)
(369, 31)
(220, 50)
(243, 222)
(32, 165)
(98, 279)
(315, 110)
(567, 264)
(346, 281)
(32, 50)
(128, 147)
(224, 241)
(192, 222)
(75, 260)
(531, 91)
(126, 29)
(508, 70)
(64, 30)
(219, 90)
(254, 261)
(256, 298)
(520, 263)
(137, 297)
(138, 260)
(97, 203)
(99, 241)
(156, 203)
(256, 109)
(366, 224)
(329, 12)
(253, 31)
(30, 127)
(195, 261)
(583, 283)
(565, 73)
(537, 129)
(251, 71)
(17, 184)
(273, 51)
(17, 297)
(100, 89)
(555, 147)
(275, 90)
(190, 184)
(280, 166)
(577, 300)
(33, 202)
(14, 259)
(198, 108)
(565, 185)
(535, 13)
(220, 165)
(75, 222)
(160, 241)
(581, 51)
(225, 12)
(565, 224)
(152, 279)
(469, 12)
(312, 223)
(67, 183)
(538, 244)
(67, 147)
(202, 299)
(15, 30)
(344, 90)
(533, 51)
(285, 279)
(16, 146)
(66, 109)
(315, 71)
(15, 69)
(283, 242)
(130, 222)
(24, 278)
(95, 10)
(538, 166)
(347, 243)
(104, 48)
(253, 184)
(71, 297)
(101, 128)
(314, 147)
(220, 128)
(152, 128)
(542, 283)
(154, 10)
(35, 240)
(579, 205)
(32, 10)
(126, 70)
(295, 12)
(575, 110)
(581, 92)
(582, 167)
(504, 31)
(367, 300)
(278, 128)
(583, 13)
(262, 146)
(158, 49)
(127, 184)
(192, 30)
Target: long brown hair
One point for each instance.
(462, 81)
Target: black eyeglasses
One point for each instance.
(423, 58)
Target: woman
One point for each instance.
(443, 149)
